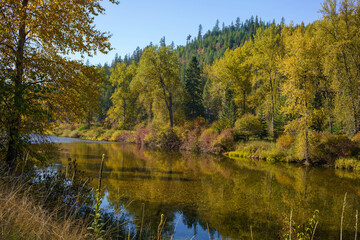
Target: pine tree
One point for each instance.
(193, 90)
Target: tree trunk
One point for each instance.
(244, 102)
(328, 107)
(272, 109)
(124, 112)
(307, 151)
(351, 93)
(11, 154)
(13, 134)
(170, 108)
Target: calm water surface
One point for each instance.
(202, 195)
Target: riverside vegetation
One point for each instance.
(280, 92)
(264, 90)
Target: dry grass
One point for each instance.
(20, 218)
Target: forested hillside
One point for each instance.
(205, 47)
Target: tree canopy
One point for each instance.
(38, 81)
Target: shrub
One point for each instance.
(84, 127)
(169, 140)
(206, 140)
(221, 124)
(333, 146)
(247, 126)
(191, 140)
(115, 136)
(285, 141)
(125, 136)
(93, 134)
(356, 138)
(74, 134)
(273, 155)
(326, 147)
(107, 134)
(225, 141)
(66, 133)
(140, 134)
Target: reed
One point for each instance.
(342, 216)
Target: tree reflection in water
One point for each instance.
(197, 191)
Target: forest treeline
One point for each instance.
(261, 79)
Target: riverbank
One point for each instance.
(22, 218)
(43, 204)
(335, 150)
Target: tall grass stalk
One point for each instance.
(290, 224)
(356, 223)
(97, 225)
(251, 233)
(177, 222)
(313, 234)
(21, 218)
(142, 220)
(207, 225)
(161, 226)
(342, 216)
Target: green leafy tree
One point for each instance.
(123, 111)
(158, 75)
(234, 72)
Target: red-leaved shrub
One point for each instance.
(225, 141)
(191, 141)
(207, 140)
(328, 147)
(140, 135)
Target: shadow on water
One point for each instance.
(202, 194)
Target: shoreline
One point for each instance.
(219, 143)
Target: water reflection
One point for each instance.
(202, 195)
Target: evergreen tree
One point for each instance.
(162, 42)
(199, 33)
(237, 24)
(193, 90)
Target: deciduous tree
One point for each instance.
(158, 75)
(37, 80)
(123, 111)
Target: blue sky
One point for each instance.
(138, 22)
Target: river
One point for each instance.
(205, 196)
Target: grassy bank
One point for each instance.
(44, 204)
(21, 218)
(34, 208)
(93, 132)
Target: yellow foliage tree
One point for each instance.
(267, 50)
(301, 66)
(234, 72)
(157, 78)
(340, 27)
(37, 81)
(124, 99)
